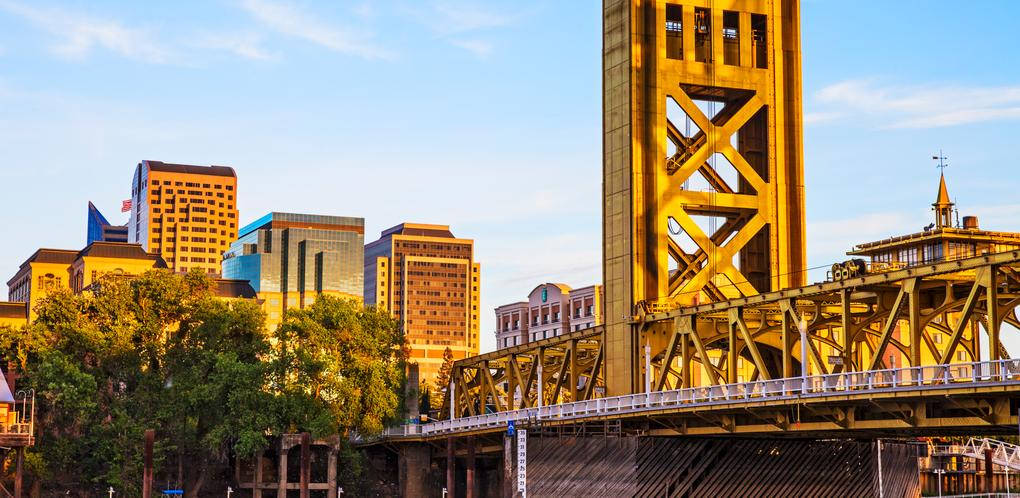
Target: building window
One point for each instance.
(674, 32)
(702, 35)
(758, 42)
(731, 38)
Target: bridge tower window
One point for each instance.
(674, 32)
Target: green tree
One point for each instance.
(339, 368)
(443, 378)
(161, 352)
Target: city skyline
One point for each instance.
(521, 134)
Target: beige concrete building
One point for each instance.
(551, 310)
(53, 270)
(428, 279)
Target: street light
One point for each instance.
(111, 491)
(938, 479)
(230, 491)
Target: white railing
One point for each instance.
(1003, 454)
(815, 386)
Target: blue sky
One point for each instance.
(484, 115)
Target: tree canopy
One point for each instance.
(162, 352)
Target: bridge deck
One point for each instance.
(911, 400)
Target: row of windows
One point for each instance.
(171, 240)
(197, 193)
(200, 260)
(192, 203)
(458, 276)
(703, 36)
(216, 186)
(432, 246)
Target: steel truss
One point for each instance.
(859, 320)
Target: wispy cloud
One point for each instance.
(461, 17)
(79, 34)
(246, 45)
(478, 47)
(287, 19)
(811, 118)
(451, 21)
(919, 106)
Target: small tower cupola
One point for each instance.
(943, 206)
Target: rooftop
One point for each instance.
(46, 255)
(190, 169)
(234, 288)
(300, 220)
(420, 230)
(120, 250)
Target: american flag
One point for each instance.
(125, 206)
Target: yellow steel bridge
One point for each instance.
(709, 326)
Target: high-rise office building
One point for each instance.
(429, 280)
(100, 230)
(187, 214)
(290, 259)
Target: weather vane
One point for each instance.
(942, 161)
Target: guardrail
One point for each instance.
(815, 386)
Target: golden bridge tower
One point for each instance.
(703, 166)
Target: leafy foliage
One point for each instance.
(161, 352)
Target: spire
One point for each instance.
(943, 198)
(943, 206)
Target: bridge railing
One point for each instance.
(893, 379)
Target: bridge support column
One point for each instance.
(989, 472)
(414, 463)
(451, 468)
(469, 486)
(19, 470)
(509, 479)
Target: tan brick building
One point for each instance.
(427, 279)
(186, 214)
(552, 309)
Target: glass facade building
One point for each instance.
(290, 259)
(100, 230)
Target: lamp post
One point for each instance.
(938, 480)
(881, 490)
(110, 491)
